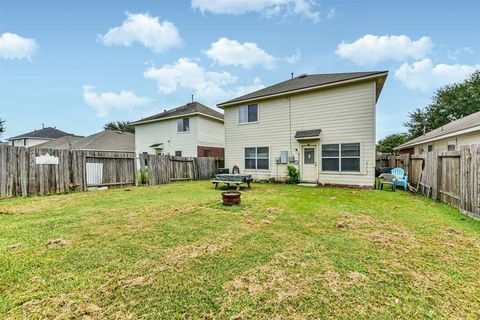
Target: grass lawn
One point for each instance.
(174, 251)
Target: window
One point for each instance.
(309, 155)
(343, 157)
(430, 147)
(178, 153)
(451, 145)
(183, 125)
(248, 113)
(256, 158)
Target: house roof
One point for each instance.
(315, 133)
(471, 122)
(189, 108)
(65, 142)
(107, 140)
(45, 133)
(304, 82)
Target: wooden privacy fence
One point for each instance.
(160, 169)
(40, 171)
(452, 177)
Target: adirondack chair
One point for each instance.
(402, 179)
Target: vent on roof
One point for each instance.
(302, 76)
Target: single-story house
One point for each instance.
(191, 130)
(450, 137)
(36, 137)
(107, 140)
(324, 124)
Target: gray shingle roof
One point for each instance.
(45, 133)
(65, 142)
(192, 107)
(466, 122)
(107, 140)
(308, 134)
(302, 82)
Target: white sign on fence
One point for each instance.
(46, 159)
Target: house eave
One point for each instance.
(139, 122)
(287, 93)
(452, 134)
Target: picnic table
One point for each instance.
(228, 179)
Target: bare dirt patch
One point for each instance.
(137, 281)
(57, 243)
(13, 246)
(401, 239)
(350, 221)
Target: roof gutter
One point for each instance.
(374, 76)
(452, 134)
(176, 117)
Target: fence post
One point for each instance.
(438, 162)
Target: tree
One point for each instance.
(124, 126)
(387, 144)
(450, 103)
(2, 126)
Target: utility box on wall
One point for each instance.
(283, 157)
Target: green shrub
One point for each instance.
(293, 174)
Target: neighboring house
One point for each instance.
(192, 130)
(450, 137)
(36, 137)
(66, 142)
(324, 124)
(107, 140)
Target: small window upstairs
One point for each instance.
(183, 125)
(248, 113)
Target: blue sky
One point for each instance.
(79, 64)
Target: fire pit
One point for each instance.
(231, 198)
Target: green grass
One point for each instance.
(174, 251)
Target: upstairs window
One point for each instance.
(178, 153)
(183, 125)
(248, 113)
(430, 148)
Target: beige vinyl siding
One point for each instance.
(166, 132)
(28, 142)
(211, 132)
(442, 144)
(344, 113)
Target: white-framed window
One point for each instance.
(178, 153)
(341, 157)
(430, 147)
(248, 113)
(257, 158)
(183, 125)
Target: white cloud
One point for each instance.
(207, 85)
(332, 13)
(233, 53)
(269, 8)
(371, 49)
(149, 31)
(104, 102)
(424, 75)
(13, 46)
(453, 55)
(294, 58)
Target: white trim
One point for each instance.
(456, 133)
(248, 122)
(286, 93)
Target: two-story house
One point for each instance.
(192, 130)
(37, 137)
(324, 124)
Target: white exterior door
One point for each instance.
(309, 163)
